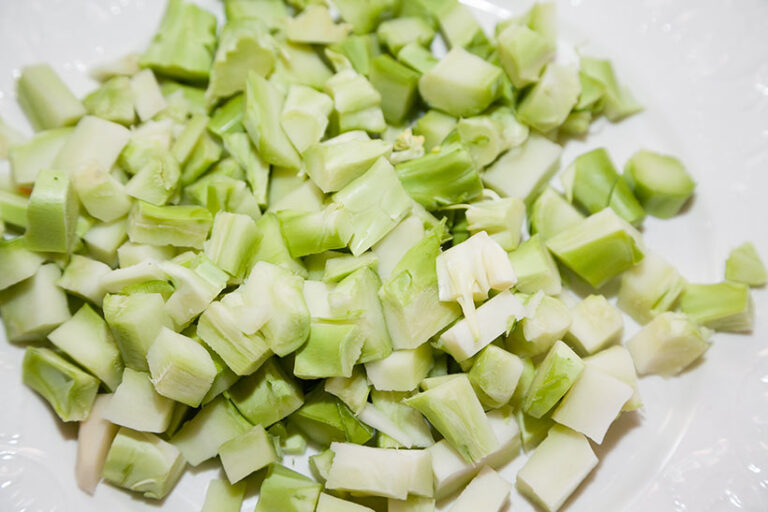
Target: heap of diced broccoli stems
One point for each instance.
(305, 228)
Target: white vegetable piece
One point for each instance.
(617, 362)
(147, 97)
(391, 249)
(595, 324)
(556, 468)
(593, 403)
(93, 441)
(136, 405)
(467, 271)
(379, 471)
(402, 370)
(93, 143)
(487, 492)
(316, 297)
(493, 319)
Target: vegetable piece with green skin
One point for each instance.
(595, 324)
(650, 288)
(228, 118)
(180, 226)
(454, 410)
(745, 266)
(533, 430)
(266, 396)
(46, 100)
(554, 377)
(501, 218)
(417, 58)
(534, 267)
(494, 376)
(221, 496)
(441, 178)
(148, 99)
(336, 162)
(336, 269)
(434, 126)
(353, 391)
(725, 306)
(135, 321)
(196, 284)
(660, 182)
(271, 246)
(18, 262)
(136, 405)
(287, 491)
(231, 243)
(52, 213)
(617, 362)
(371, 206)
(617, 102)
(87, 340)
(256, 168)
(402, 370)
(407, 420)
(364, 16)
(287, 439)
(460, 28)
(523, 54)
(360, 50)
(308, 233)
(244, 45)
(547, 105)
(525, 170)
(103, 196)
(325, 419)
(487, 490)
(599, 248)
(397, 85)
(332, 350)
(305, 116)
(320, 464)
(112, 101)
(184, 44)
(668, 344)
(181, 369)
(263, 106)
(314, 25)
(205, 153)
(156, 173)
(103, 240)
(357, 104)
(491, 134)
(247, 453)
(328, 503)
(412, 504)
(13, 209)
(399, 32)
(68, 389)
(535, 334)
(34, 307)
(461, 84)
(38, 152)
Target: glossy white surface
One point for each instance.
(700, 67)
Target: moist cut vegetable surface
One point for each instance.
(300, 231)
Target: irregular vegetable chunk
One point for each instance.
(46, 100)
(744, 266)
(247, 453)
(725, 306)
(660, 183)
(554, 377)
(94, 438)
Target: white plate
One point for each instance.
(701, 69)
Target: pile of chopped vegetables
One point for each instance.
(304, 229)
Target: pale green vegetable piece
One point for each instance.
(412, 308)
(412, 504)
(332, 350)
(247, 453)
(305, 198)
(328, 503)
(116, 280)
(494, 376)
(391, 249)
(668, 344)
(103, 240)
(336, 269)
(201, 437)
(9, 137)
(548, 103)
(52, 214)
(325, 419)
(617, 102)
(399, 32)
(148, 99)
(599, 248)
(540, 329)
(156, 179)
(314, 25)
(364, 16)
(725, 306)
(68, 389)
(257, 170)
(244, 46)
(554, 377)
(34, 307)
(224, 497)
(398, 86)
(371, 206)
(525, 170)
(29, 157)
(287, 491)
(459, 27)
(545, 479)
(308, 233)
(320, 464)
(461, 84)
(271, 246)
(263, 106)
(144, 463)
(649, 288)
(135, 321)
(180, 226)
(353, 390)
(534, 430)
(454, 410)
(524, 53)
(267, 396)
(300, 64)
(305, 116)
(93, 143)
(595, 324)
(534, 267)
(402, 370)
(435, 127)
(46, 100)
(136, 405)
(87, 340)
(196, 285)
(94, 438)
(181, 369)
(489, 135)
(184, 44)
(13, 208)
(231, 243)
(407, 420)
(660, 182)
(593, 403)
(487, 492)
(112, 101)
(185, 142)
(745, 266)
(18, 262)
(502, 219)
(288, 439)
(102, 196)
(398, 472)
(617, 362)
(418, 58)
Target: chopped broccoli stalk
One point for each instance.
(94, 438)
(357, 104)
(412, 504)
(524, 53)
(416, 57)
(266, 396)
(287, 491)
(336, 269)
(231, 243)
(255, 167)
(13, 208)
(314, 25)
(103, 196)
(364, 16)
(222, 496)
(305, 116)
(205, 153)
(51, 214)
(103, 240)
(300, 64)
(595, 324)
(547, 105)
(533, 430)
(184, 44)
(455, 411)
(550, 214)
(271, 246)
(328, 503)
(461, 84)
(311, 232)
(434, 126)
(136, 405)
(554, 377)
(668, 344)
(88, 341)
(617, 102)
(156, 173)
(397, 85)
(148, 99)
(391, 249)
(29, 157)
(34, 307)
(649, 288)
(334, 163)
(135, 321)
(502, 219)
(725, 306)
(180, 226)
(325, 419)
(271, 12)
(18, 262)
(332, 350)
(617, 362)
(460, 28)
(228, 118)
(46, 100)
(320, 464)
(494, 376)
(247, 453)
(660, 183)
(489, 135)
(68, 389)
(399, 32)
(487, 490)
(360, 50)
(112, 101)
(353, 390)
(406, 419)
(535, 334)
(743, 265)
(534, 267)
(402, 370)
